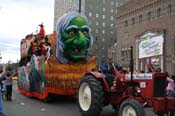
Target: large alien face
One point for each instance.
(76, 39)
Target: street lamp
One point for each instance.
(79, 6)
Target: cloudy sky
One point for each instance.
(19, 18)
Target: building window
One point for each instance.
(158, 12)
(96, 15)
(133, 20)
(112, 32)
(104, 9)
(169, 9)
(103, 24)
(112, 10)
(122, 55)
(126, 55)
(104, 17)
(112, 3)
(96, 30)
(140, 18)
(126, 23)
(129, 54)
(103, 31)
(112, 25)
(149, 15)
(112, 18)
(90, 14)
(117, 4)
(96, 23)
(126, 36)
(103, 40)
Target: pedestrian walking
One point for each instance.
(1, 102)
(3, 85)
(9, 82)
(170, 87)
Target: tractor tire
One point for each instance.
(116, 109)
(47, 99)
(131, 107)
(90, 96)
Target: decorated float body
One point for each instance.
(54, 64)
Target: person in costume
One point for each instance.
(44, 47)
(34, 47)
(74, 39)
(42, 31)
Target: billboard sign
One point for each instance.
(151, 46)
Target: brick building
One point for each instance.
(148, 26)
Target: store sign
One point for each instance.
(151, 46)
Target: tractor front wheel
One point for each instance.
(131, 107)
(47, 99)
(90, 96)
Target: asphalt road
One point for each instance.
(25, 106)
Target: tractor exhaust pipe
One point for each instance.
(131, 65)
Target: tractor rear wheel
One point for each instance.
(90, 96)
(131, 107)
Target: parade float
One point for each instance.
(54, 63)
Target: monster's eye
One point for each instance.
(85, 33)
(71, 33)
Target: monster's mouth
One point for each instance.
(78, 52)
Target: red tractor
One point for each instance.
(129, 93)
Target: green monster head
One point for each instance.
(74, 38)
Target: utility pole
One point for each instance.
(79, 6)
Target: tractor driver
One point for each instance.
(108, 71)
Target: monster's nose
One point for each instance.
(81, 40)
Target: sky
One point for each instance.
(19, 18)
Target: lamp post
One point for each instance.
(79, 6)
